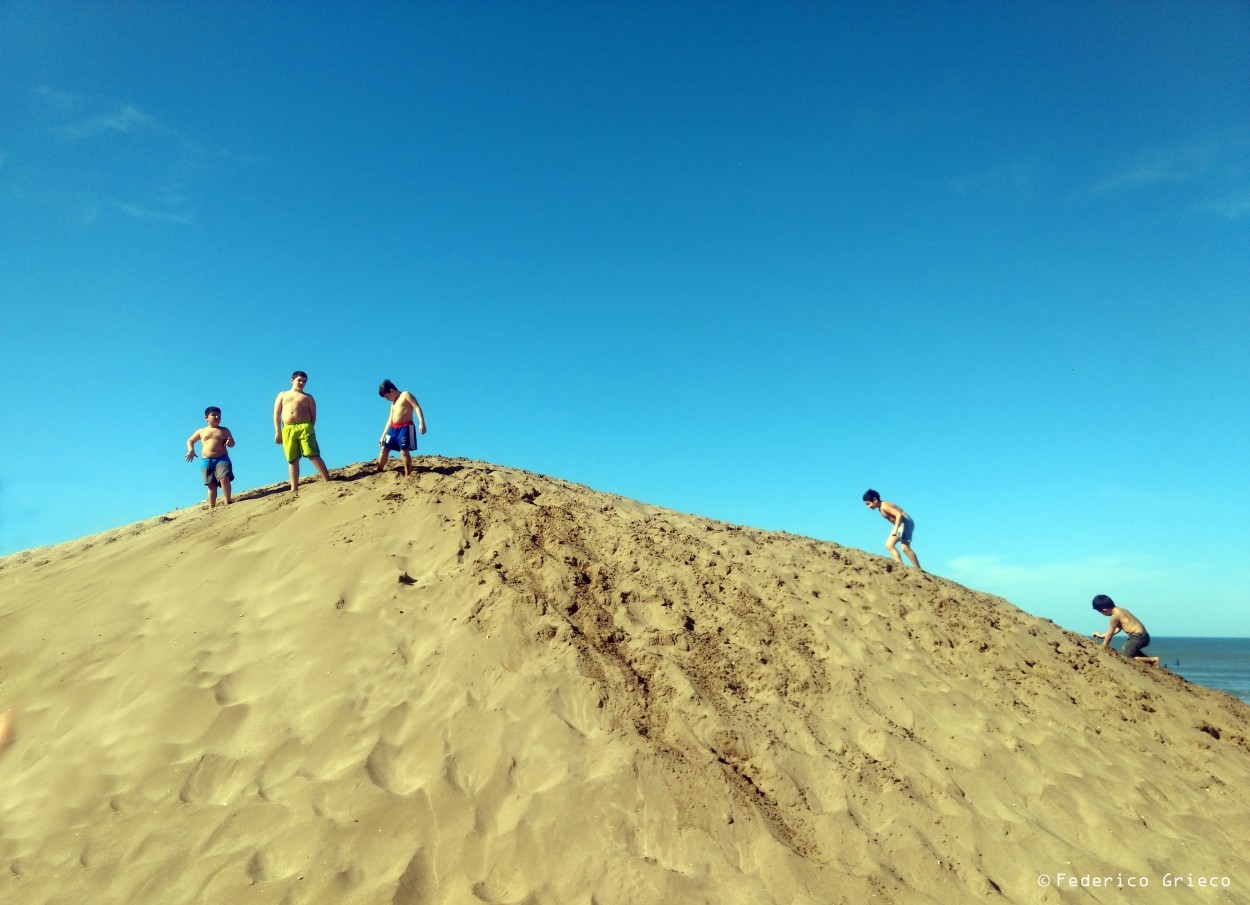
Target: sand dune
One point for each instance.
(480, 685)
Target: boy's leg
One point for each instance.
(383, 457)
(407, 463)
(294, 472)
(906, 547)
(889, 545)
(320, 466)
(225, 488)
(1133, 649)
(212, 495)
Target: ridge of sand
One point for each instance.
(482, 685)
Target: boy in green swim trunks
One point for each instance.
(294, 422)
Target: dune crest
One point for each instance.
(479, 684)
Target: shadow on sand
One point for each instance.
(355, 472)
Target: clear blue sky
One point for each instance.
(744, 260)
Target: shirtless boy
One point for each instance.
(1124, 621)
(903, 527)
(217, 467)
(399, 433)
(294, 420)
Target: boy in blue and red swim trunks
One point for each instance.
(400, 434)
(217, 468)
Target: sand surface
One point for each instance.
(480, 685)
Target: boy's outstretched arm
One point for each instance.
(191, 445)
(277, 419)
(229, 437)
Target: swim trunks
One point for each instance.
(401, 437)
(908, 527)
(1135, 643)
(217, 469)
(299, 439)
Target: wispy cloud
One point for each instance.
(54, 99)
(125, 120)
(1162, 591)
(1138, 495)
(138, 212)
(1231, 207)
(1010, 181)
(105, 155)
(994, 573)
(1216, 172)
(1155, 168)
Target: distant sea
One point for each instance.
(1219, 663)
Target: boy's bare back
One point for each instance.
(891, 512)
(1126, 621)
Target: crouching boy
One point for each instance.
(1124, 621)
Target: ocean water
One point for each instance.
(1219, 663)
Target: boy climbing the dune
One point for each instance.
(1124, 621)
(903, 526)
(400, 434)
(217, 468)
(294, 423)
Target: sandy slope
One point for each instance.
(483, 685)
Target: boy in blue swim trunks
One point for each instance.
(903, 526)
(217, 468)
(400, 434)
(1124, 621)
(294, 420)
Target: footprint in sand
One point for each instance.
(8, 730)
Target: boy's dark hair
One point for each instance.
(385, 387)
(212, 410)
(1103, 602)
(295, 374)
(871, 496)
